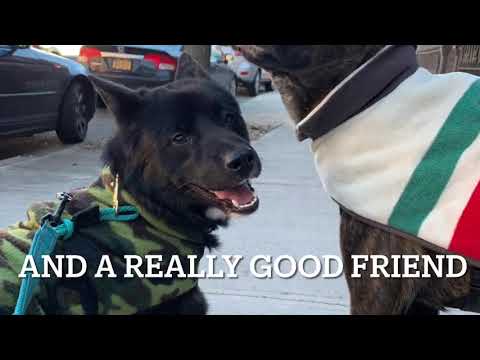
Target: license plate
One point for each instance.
(122, 64)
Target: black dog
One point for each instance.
(182, 153)
(304, 76)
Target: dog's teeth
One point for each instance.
(243, 206)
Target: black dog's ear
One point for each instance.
(188, 67)
(122, 101)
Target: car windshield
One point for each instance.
(173, 50)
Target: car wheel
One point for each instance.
(233, 87)
(254, 87)
(268, 86)
(73, 122)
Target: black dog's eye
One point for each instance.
(180, 138)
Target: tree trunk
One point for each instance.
(201, 53)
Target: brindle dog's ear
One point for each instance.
(122, 101)
(188, 67)
(261, 55)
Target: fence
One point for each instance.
(449, 58)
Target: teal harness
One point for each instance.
(54, 228)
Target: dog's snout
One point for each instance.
(241, 161)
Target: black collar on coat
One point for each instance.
(364, 87)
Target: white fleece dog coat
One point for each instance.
(411, 161)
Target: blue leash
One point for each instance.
(45, 239)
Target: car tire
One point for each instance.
(254, 87)
(268, 86)
(73, 121)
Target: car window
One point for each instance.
(5, 50)
(227, 50)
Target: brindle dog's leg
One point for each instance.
(409, 296)
(420, 309)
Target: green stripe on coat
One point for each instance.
(432, 174)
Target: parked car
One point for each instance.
(144, 65)
(441, 59)
(40, 92)
(247, 74)
(221, 72)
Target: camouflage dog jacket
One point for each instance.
(148, 235)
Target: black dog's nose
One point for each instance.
(241, 161)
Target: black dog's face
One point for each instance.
(304, 74)
(202, 143)
(186, 143)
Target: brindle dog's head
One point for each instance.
(304, 74)
(182, 149)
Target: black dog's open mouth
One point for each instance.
(238, 199)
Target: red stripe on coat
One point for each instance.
(466, 238)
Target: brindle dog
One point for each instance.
(304, 75)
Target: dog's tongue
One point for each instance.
(241, 195)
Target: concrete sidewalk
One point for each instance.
(39, 178)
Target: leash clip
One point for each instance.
(55, 219)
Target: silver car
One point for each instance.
(247, 74)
